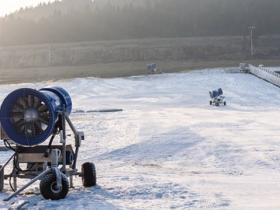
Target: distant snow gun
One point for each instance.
(152, 68)
(217, 98)
(29, 118)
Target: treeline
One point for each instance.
(87, 20)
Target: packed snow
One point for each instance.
(168, 149)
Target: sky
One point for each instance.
(9, 6)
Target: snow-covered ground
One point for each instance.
(169, 149)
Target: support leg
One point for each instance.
(15, 181)
(71, 181)
(28, 184)
(2, 168)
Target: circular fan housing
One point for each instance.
(216, 93)
(28, 116)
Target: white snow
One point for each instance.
(169, 149)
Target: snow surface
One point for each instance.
(169, 149)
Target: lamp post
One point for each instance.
(252, 29)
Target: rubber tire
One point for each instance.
(88, 174)
(46, 189)
(1, 180)
(210, 103)
(225, 103)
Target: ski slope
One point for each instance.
(169, 149)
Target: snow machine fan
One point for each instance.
(28, 118)
(217, 98)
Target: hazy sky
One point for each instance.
(8, 6)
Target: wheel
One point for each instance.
(1, 179)
(88, 174)
(225, 103)
(49, 189)
(210, 103)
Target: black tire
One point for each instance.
(88, 174)
(48, 187)
(210, 103)
(225, 103)
(1, 180)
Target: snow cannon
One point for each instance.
(28, 116)
(217, 98)
(28, 119)
(216, 93)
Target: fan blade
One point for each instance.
(21, 129)
(46, 113)
(36, 102)
(43, 121)
(33, 128)
(30, 100)
(27, 129)
(16, 112)
(38, 126)
(23, 102)
(45, 116)
(30, 130)
(19, 106)
(43, 108)
(19, 125)
(17, 115)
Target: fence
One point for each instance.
(265, 74)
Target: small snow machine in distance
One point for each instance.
(30, 117)
(217, 98)
(152, 68)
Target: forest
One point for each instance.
(87, 20)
